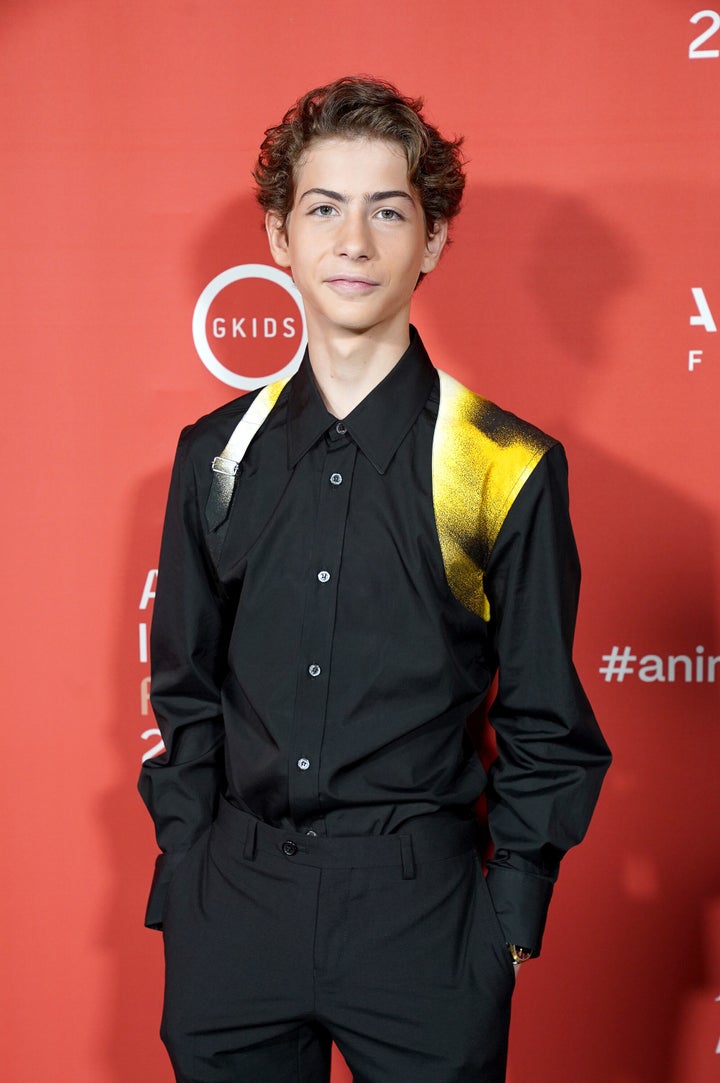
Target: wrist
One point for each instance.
(519, 954)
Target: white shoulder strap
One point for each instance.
(225, 466)
(244, 432)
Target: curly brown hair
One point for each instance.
(362, 107)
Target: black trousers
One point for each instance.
(277, 944)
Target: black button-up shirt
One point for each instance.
(315, 666)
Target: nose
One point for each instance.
(354, 238)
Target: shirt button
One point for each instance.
(314, 670)
(289, 848)
(312, 834)
(340, 428)
(303, 764)
(336, 479)
(324, 576)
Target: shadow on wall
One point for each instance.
(521, 301)
(623, 961)
(520, 310)
(698, 1030)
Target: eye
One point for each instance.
(323, 210)
(389, 214)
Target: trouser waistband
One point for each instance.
(428, 839)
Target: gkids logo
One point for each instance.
(248, 326)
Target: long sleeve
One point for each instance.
(551, 755)
(181, 787)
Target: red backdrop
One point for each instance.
(582, 291)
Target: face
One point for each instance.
(356, 239)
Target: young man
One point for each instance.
(347, 560)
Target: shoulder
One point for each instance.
(483, 450)
(482, 458)
(496, 431)
(211, 432)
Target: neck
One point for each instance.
(348, 367)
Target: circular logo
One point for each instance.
(250, 334)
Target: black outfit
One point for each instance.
(313, 667)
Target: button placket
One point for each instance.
(318, 627)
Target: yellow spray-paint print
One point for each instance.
(482, 457)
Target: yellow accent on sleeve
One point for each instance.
(482, 457)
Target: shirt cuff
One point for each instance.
(521, 902)
(165, 866)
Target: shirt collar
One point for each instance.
(379, 423)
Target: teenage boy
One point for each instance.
(347, 560)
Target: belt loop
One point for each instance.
(407, 857)
(250, 840)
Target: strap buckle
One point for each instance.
(221, 465)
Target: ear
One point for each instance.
(434, 246)
(276, 229)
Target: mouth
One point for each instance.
(351, 283)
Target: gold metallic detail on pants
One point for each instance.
(481, 459)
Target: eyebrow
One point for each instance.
(371, 197)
